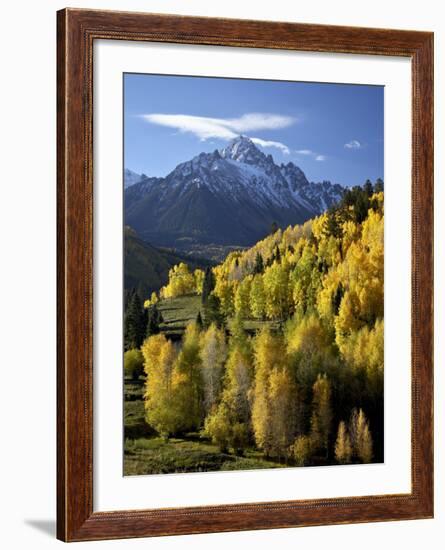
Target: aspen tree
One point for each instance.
(213, 353)
(258, 298)
(361, 437)
(160, 404)
(242, 298)
(188, 379)
(343, 449)
(321, 413)
(302, 450)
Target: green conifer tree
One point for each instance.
(368, 188)
(134, 323)
(199, 321)
(208, 284)
(154, 319)
(378, 187)
(258, 267)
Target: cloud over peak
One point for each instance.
(225, 128)
(267, 143)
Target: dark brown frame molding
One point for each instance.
(77, 30)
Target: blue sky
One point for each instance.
(331, 131)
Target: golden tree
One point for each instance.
(343, 448)
(160, 400)
(213, 353)
(257, 298)
(242, 298)
(188, 379)
(273, 396)
(321, 413)
(301, 450)
(283, 411)
(361, 437)
(276, 281)
(180, 282)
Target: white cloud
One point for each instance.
(202, 127)
(225, 128)
(264, 143)
(353, 144)
(310, 153)
(258, 121)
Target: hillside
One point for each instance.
(276, 353)
(146, 267)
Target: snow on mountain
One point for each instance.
(130, 178)
(230, 197)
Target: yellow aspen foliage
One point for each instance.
(364, 350)
(365, 452)
(283, 411)
(239, 375)
(343, 447)
(332, 253)
(228, 424)
(276, 281)
(305, 279)
(180, 282)
(348, 319)
(152, 301)
(317, 292)
(198, 276)
(242, 298)
(218, 427)
(160, 400)
(213, 353)
(321, 413)
(267, 354)
(236, 271)
(225, 291)
(188, 379)
(319, 226)
(151, 350)
(308, 337)
(301, 450)
(258, 298)
(270, 421)
(351, 233)
(288, 237)
(361, 437)
(329, 296)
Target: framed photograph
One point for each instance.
(245, 263)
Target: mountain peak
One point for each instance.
(243, 149)
(131, 177)
(228, 197)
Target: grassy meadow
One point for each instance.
(147, 453)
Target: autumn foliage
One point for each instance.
(305, 384)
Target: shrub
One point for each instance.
(302, 450)
(133, 364)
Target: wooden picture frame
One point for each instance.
(77, 31)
